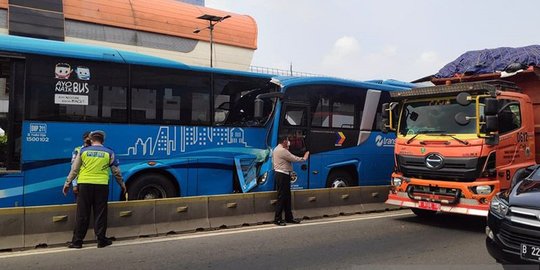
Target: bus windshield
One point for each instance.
(435, 116)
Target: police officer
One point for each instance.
(76, 151)
(282, 162)
(92, 167)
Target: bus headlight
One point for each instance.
(263, 178)
(396, 181)
(483, 190)
(498, 207)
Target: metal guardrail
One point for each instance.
(29, 227)
(282, 72)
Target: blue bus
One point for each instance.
(178, 130)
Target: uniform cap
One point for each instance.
(98, 132)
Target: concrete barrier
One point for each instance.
(265, 206)
(49, 225)
(373, 198)
(311, 203)
(132, 219)
(346, 200)
(11, 228)
(181, 214)
(231, 210)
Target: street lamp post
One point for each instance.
(212, 21)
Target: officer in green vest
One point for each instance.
(76, 151)
(92, 168)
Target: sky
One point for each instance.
(390, 39)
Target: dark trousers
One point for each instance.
(283, 186)
(91, 198)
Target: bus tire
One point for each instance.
(339, 178)
(151, 186)
(423, 213)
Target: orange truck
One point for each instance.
(463, 140)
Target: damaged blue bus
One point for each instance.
(178, 130)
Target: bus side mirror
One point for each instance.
(259, 108)
(385, 111)
(492, 123)
(491, 106)
(386, 114)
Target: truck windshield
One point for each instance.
(436, 116)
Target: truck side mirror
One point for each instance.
(259, 108)
(463, 99)
(492, 123)
(462, 119)
(493, 139)
(491, 106)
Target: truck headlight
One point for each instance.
(396, 181)
(498, 207)
(483, 190)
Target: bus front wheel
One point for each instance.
(151, 186)
(338, 179)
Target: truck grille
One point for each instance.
(454, 169)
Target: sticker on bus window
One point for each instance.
(62, 71)
(83, 73)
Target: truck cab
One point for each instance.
(462, 141)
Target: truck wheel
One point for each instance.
(423, 213)
(338, 179)
(151, 186)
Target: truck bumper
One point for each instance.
(402, 199)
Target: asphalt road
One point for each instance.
(390, 240)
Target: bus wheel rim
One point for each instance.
(339, 183)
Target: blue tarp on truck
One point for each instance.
(492, 60)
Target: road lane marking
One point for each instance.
(225, 232)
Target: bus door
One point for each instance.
(294, 123)
(12, 77)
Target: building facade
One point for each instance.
(163, 28)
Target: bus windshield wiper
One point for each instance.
(423, 132)
(454, 137)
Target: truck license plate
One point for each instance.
(429, 205)
(530, 253)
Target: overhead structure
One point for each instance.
(162, 28)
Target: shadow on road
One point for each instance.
(450, 221)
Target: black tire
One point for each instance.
(423, 213)
(339, 178)
(151, 186)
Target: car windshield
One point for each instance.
(436, 116)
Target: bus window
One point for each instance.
(321, 116)
(143, 105)
(169, 96)
(342, 115)
(68, 89)
(234, 97)
(11, 107)
(295, 116)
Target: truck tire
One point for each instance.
(423, 213)
(339, 178)
(151, 186)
